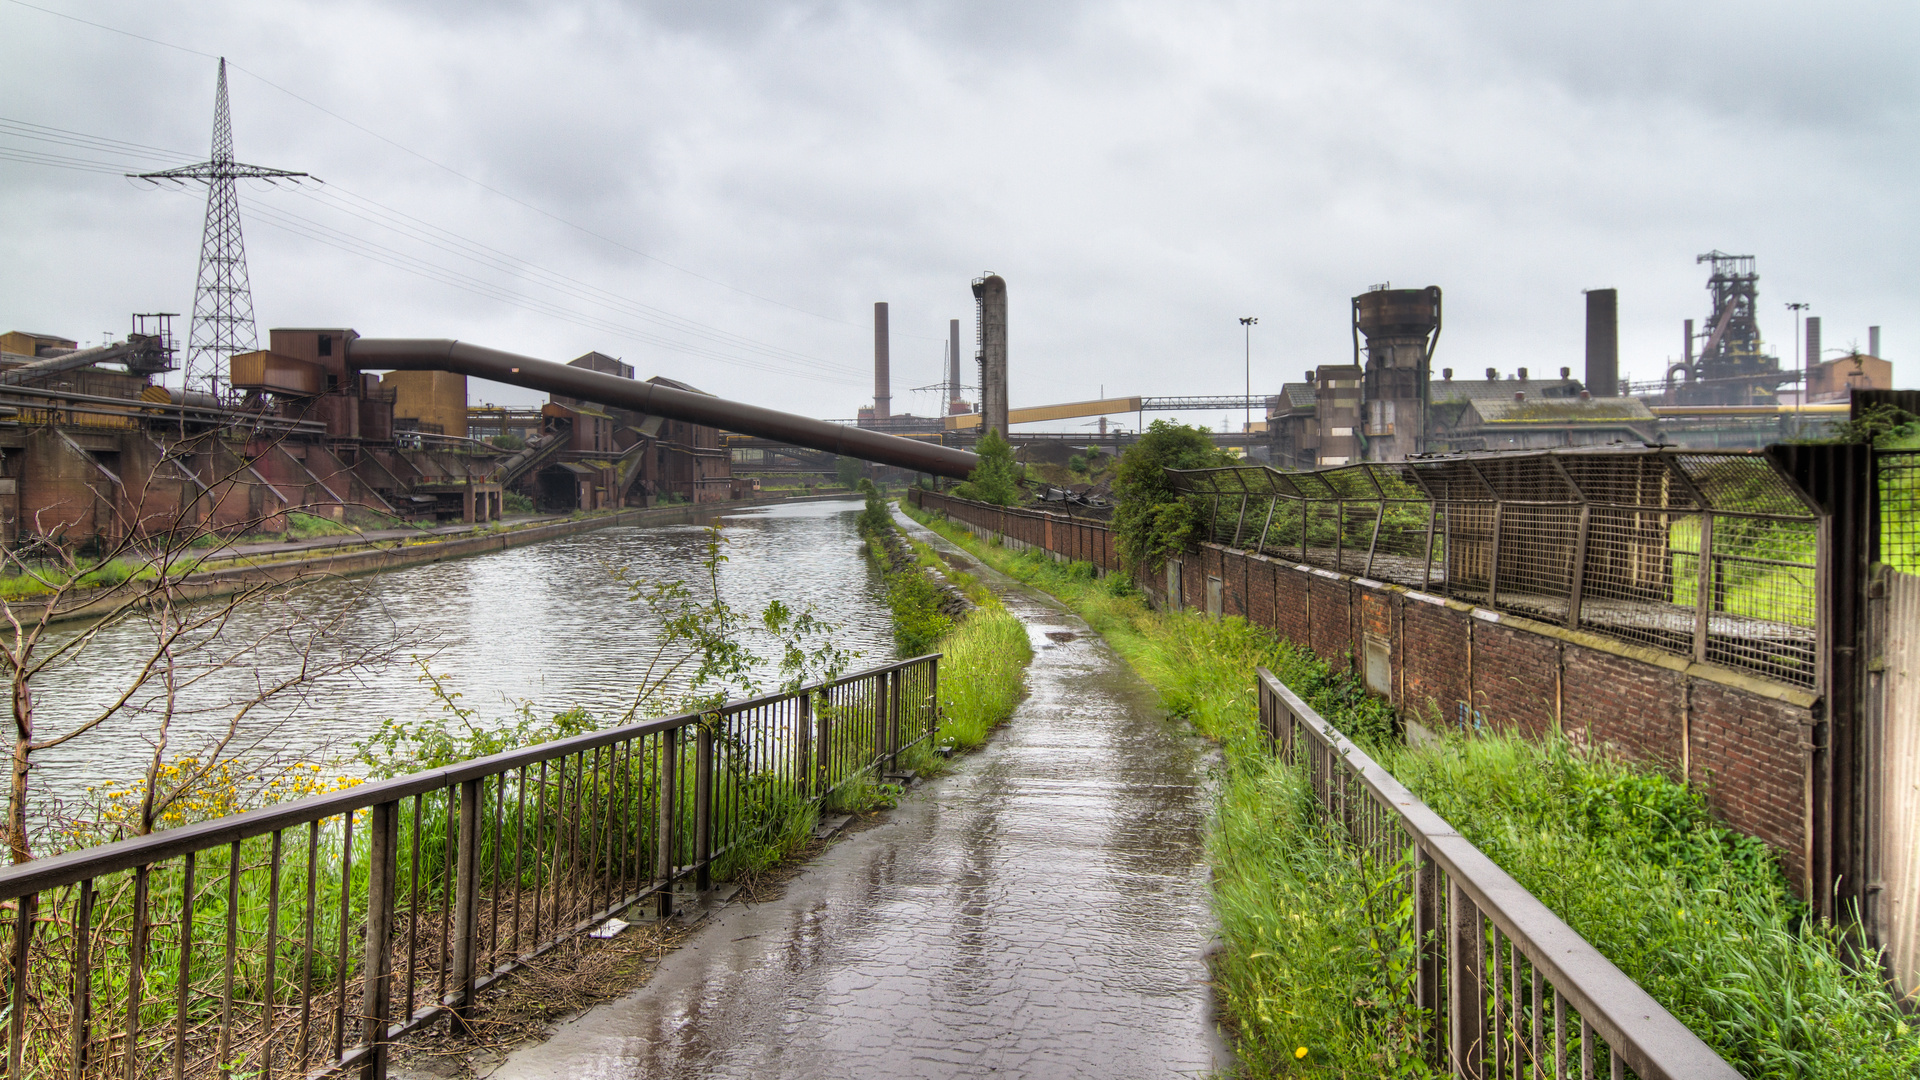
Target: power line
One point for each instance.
(440, 165)
(373, 212)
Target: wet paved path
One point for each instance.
(1040, 912)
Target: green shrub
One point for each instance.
(996, 479)
(512, 502)
(1153, 520)
(918, 623)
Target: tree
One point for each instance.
(1152, 518)
(204, 686)
(996, 479)
(849, 471)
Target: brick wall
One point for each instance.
(1744, 741)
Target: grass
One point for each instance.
(1697, 914)
(983, 656)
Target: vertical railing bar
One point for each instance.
(81, 1025)
(667, 744)
(224, 1049)
(413, 905)
(273, 950)
(376, 966)
(1586, 1049)
(466, 905)
(493, 880)
(539, 884)
(17, 995)
(703, 804)
(519, 852)
(304, 1044)
(136, 967)
(1533, 1027)
(340, 948)
(567, 810)
(185, 979)
(449, 858)
(1559, 1035)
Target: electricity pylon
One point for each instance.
(223, 298)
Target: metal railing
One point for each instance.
(304, 938)
(1505, 988)
(1708, 555)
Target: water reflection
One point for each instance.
(547, 624)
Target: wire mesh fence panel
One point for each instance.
(1538, 546)
(1635, 558)
(1607, 540)
(1898, 475)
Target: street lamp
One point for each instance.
(1806, 375)
(1248, 323)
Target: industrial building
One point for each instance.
(1727, 390)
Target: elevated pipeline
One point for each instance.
(441, 354)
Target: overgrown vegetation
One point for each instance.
(1153, 520)
(1313, 967)
(996, 479)
(983, 656)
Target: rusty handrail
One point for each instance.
(357, 916)
(1483, 1020)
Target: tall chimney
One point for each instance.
(991, 293)
(1873, 341)
(1813, 342)
(882, 380)
(953, 363)
(1686, 346)
(1603, 339)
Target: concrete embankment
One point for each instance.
(338, 557)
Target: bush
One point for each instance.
(1153, 520)
(996, 479)
(918, 623)
(512, 502)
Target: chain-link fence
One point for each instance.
(1709, 555)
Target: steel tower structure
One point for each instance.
(223, 297)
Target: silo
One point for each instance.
(1401, 327)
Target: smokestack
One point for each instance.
(882, 379)
(1813, 341)
(1603, 338)
(990, 291)
(1686, 347)
(1873, 341)
(953, 362)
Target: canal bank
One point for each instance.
(1041, 911)
(542, 627)
(394, 549)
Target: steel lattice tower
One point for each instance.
(222, 298)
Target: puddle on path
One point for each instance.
(1041, 912)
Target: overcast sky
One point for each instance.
(718, 191)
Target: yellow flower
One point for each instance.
(1299, 1051)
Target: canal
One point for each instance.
(547, 625)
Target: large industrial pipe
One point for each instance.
(440, 354)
